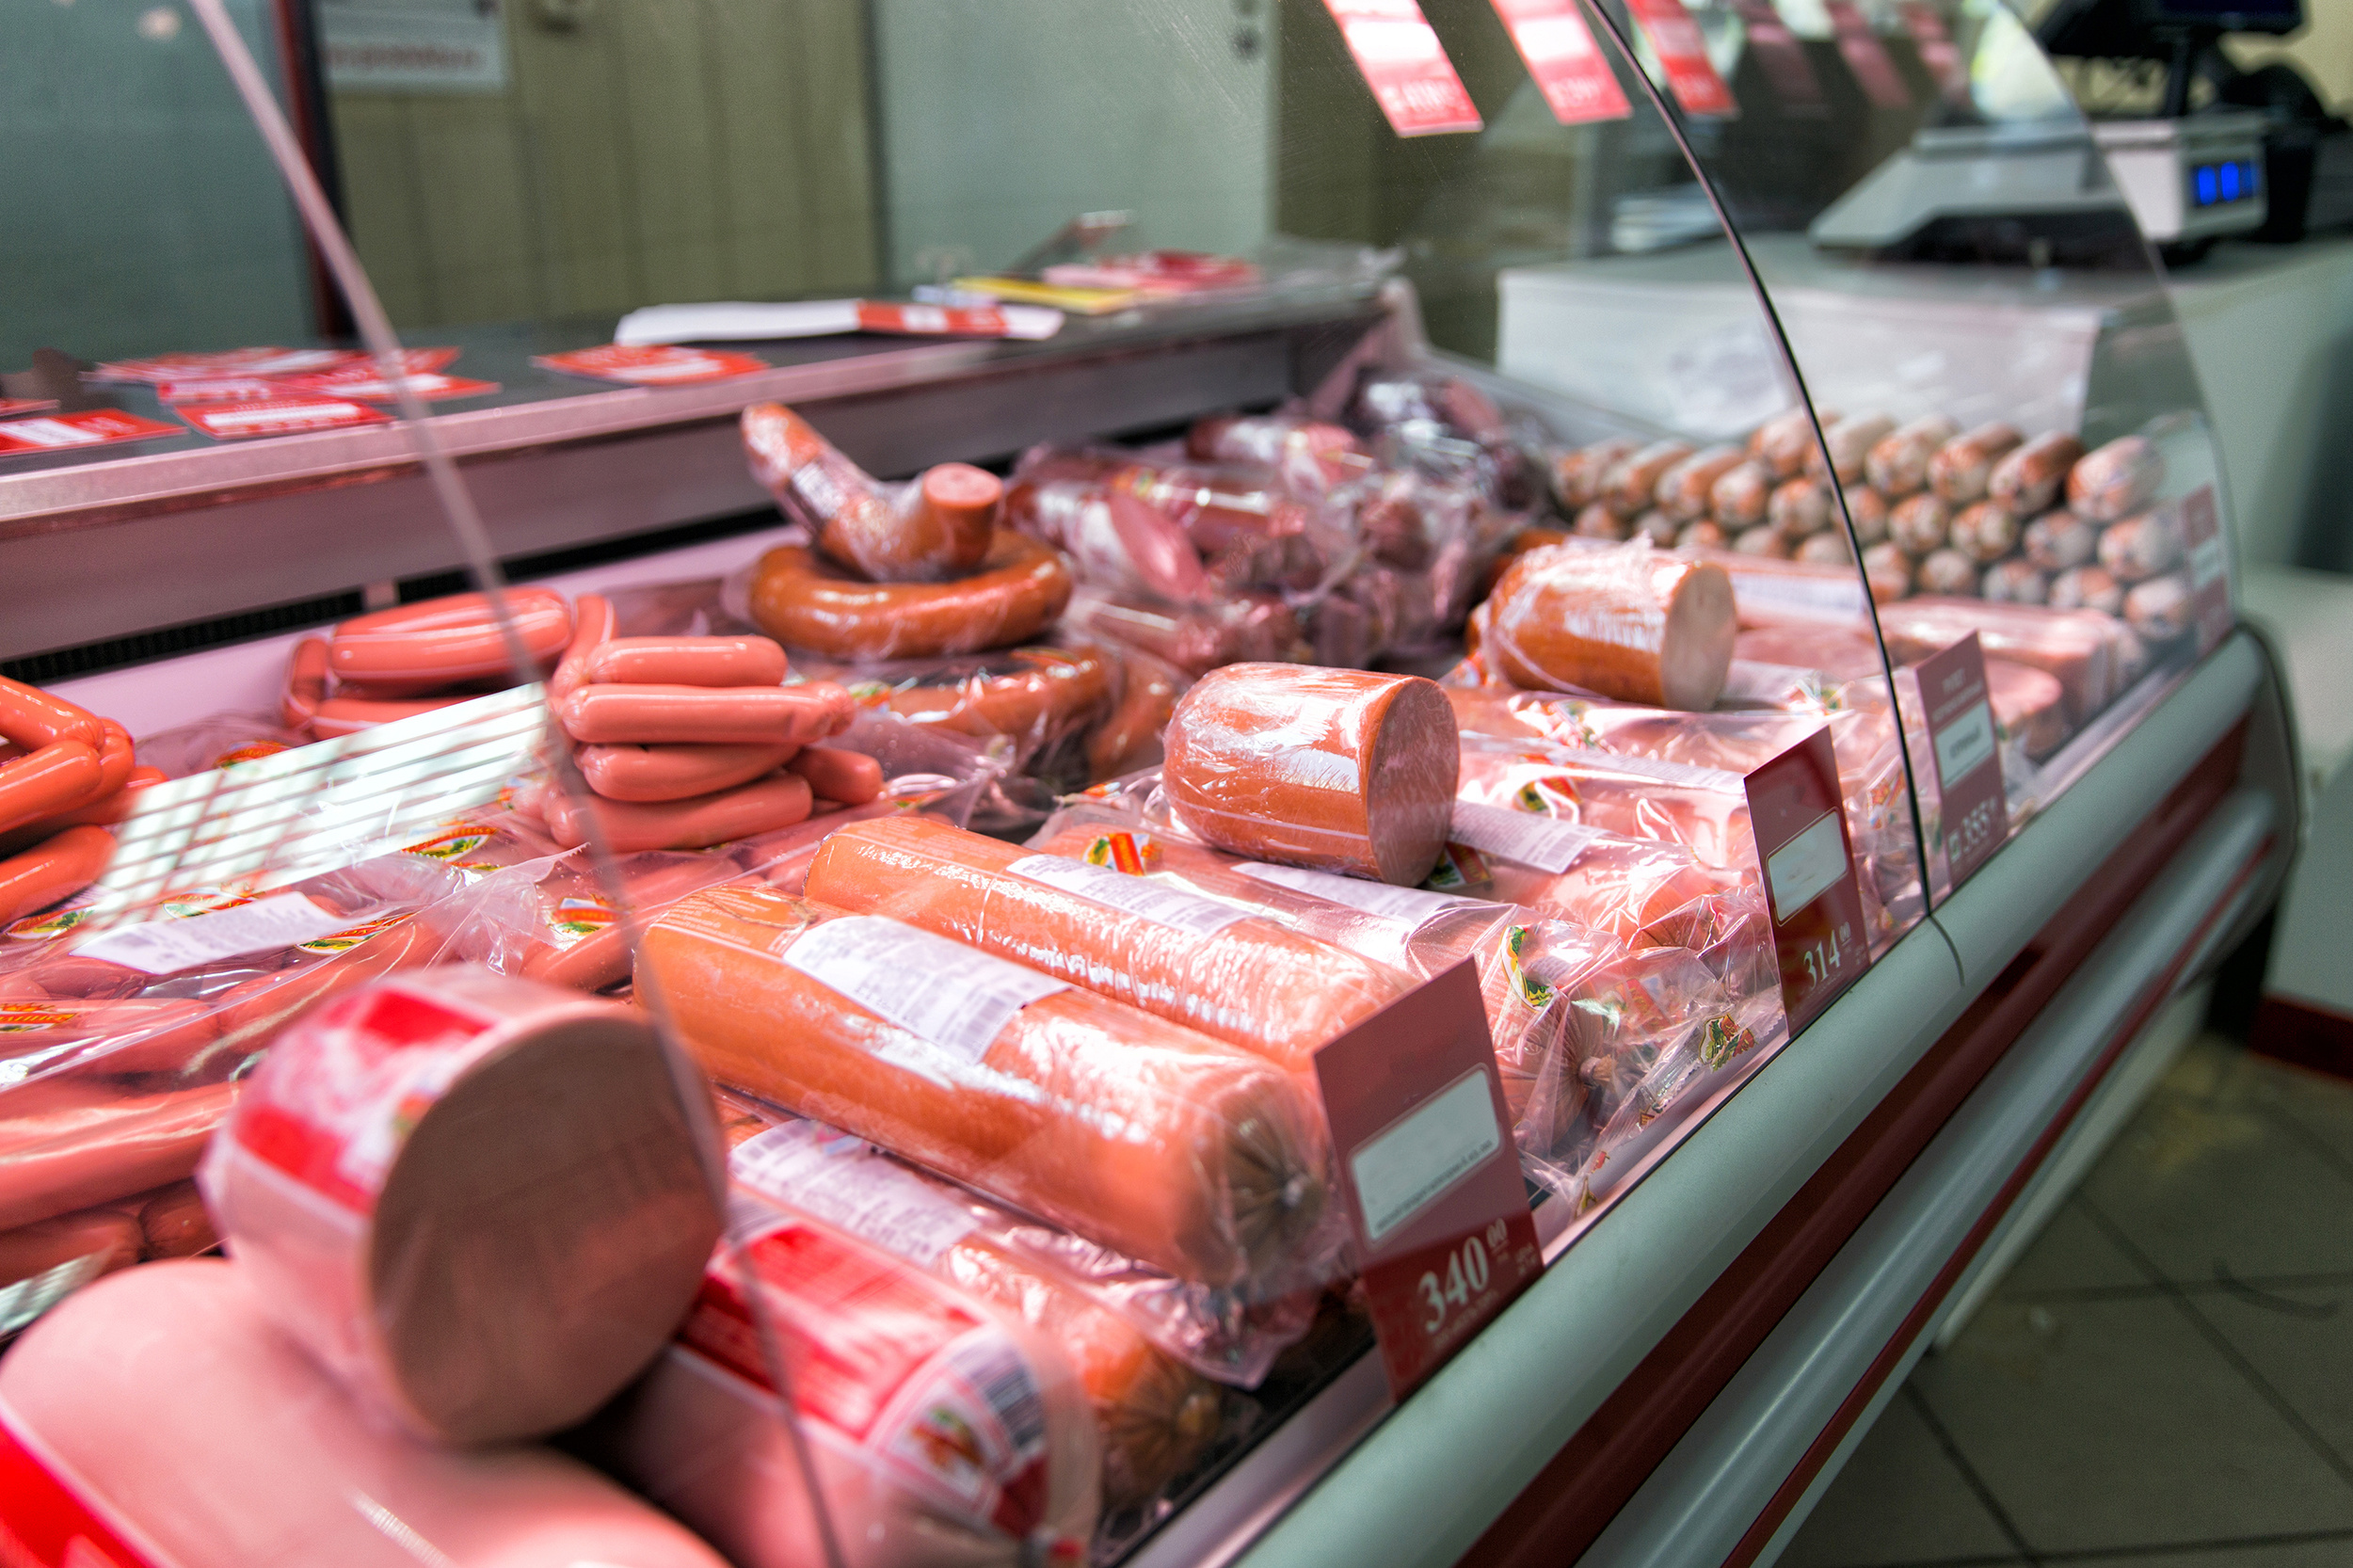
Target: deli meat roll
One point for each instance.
(1635, 624)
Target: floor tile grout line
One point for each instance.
(2246, 1370)
(1976, 1483)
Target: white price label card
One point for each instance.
(1409, 1165)
(1807, 866)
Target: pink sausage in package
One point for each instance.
(482, 1203)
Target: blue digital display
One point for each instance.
(2230, 181)
(2216, 184)
(2205, 184)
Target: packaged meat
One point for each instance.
(1310, 453)
(1948, 571)
(1638, 624)
(594, 624)
(1769, 590)
(1799, 509)
(2016, 582)
(1704, 534)
(676, 772)
(2088, 588)
(936, 1429)
(1867, 510)
(1657, 527)
(1195, 960)
(1063, 498)
(1983, 532)
(1019, 588)
(2112, 482)
(61, 865)
(703, 716)
(2029, 708)
(414, 648)
(2033, 476)
(2079, 648)
(1342, 770)
(1242, 628)
(1920, 523)
(1129, 737)
(1631, 485)
(482, 1203)
(1767, 542)
(1963, 467)
(1597, 522)
(1785, 443)
(1577, 473)
(1897, 463)
(1828, 548)
(2141, 547)
(1850, 442)
(766, 803)
(1686, 490)
(89, 1243)
(161, 1417)
(2059, 541)
(1740, 495)
(937, 528)
(1838, 654)
(1887, 571)
(838, 774)
(1147, 1136)
(2161, 609)
(685, 662)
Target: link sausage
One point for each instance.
(804, 602)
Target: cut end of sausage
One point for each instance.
(1695, 655)
(1416, 755)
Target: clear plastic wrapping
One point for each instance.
(934, 528)
(1634, 624)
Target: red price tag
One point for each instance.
(1800, 827)
(1782, 57)
(363, 381)
(1866, 56)
(654, 365)
(940, 321)
(1559, 49)
(277, 416)
(1428, 1172)
(1399, 55)
(1683, 54)
(1936, 47)
(70, 432)
(1975, 813)
(44, 1520)
(2209, 568)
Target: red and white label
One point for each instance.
(221, 389)
(1818, 932)
(1866, 56)
(2209, 568)
(45, 1523)
(1399, 55)
(24, 405)
(1937, 49)
(364, 381)
(73, 432)
(278, 416)
(653, 364)
(1975, 813)
(1430, 1173)
(937, 321)
(1683, 55)
(234, 361)
(1782, 57)
(1560, 51)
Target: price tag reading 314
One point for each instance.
(1819, 931)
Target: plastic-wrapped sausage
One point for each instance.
(1684, 489)
(2112, 482)
(1963, 466)
(803, 602)
(2015, 582)
(1338, 769)
(1765, 540)
(1635, 624)
(846, 778)
(2140, 547)
(58, 867)
(1597, 522)
(1577, 474)
(1984, 532)
(686, 662)
(776, 800)
(1631, 485)
(1867, 510)
(2160, 609)
(1897, 463)
(2029, 707)
(2058, 541)
(938, 527)
(594, 624)
(1920, 523)
(1785, 444)
(2034, 475)
(1799, 507)
(1888, 571)
(2088, 588)
(655, 773)
(1740, 494)
(706, 716)
(1948, 571)
(1850, 442)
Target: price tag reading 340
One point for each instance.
(1819, 931)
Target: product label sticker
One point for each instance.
(1409, 905)
(1976, 809)
(168, 946)
(1777, 49)
(1569, 69)
(1801, 827)
(1866, 56)
(1173, 907)
(848, 1183)
(1520, 836)
(1399, 55)
(1682, 51)
(72, 432)
(2209, 568)
(1937, 49)
(653, 365)
(1431, 1180)
(955, 998)
(46, 1522)
(278, 416)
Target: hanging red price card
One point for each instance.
(1573, 73)
(1430, 1177)
(1866, 56)
(2209, 568)
(1683, 54)
(1936, 47)
(1399, 55)
(67, 432)
(1782, 57)
(1975, 813)
(1819, 931)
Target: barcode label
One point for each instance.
(996, 1370)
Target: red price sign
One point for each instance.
(1429, 1172)
(1399, 55)
(1683, 54)
(2209, 567)
(1777, 49)
(1573, 75)
(652, 365)
(1975, 811)
(70, 432)
(1800, 827)
(1866, 56)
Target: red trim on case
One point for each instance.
(2303, 1034)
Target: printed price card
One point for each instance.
(1866, 56)
(1400, 56)
(364, 381)
(278, 416)
(1683, 54)
(653, 364)
(2209, 568)
(1818, 932)
(69, 432)
(1429, 1174)
(1975, 813)
(1573, 73)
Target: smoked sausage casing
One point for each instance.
(803, 602)
(1638, 624)
(1147, 1136)
(1336, 769)
(937, 528)
(1196, 961)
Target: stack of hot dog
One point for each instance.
(65, 775)
(417, 658)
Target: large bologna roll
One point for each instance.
(1211, 965)
(1337, 770)
(1148, 1138)
(1633, 624)
(160, 1417)
(484, 1203)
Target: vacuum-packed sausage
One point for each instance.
(1685, 491)
(100, 1239)
(411, 648)
(1848, 443)
(1577, 474)
(687, 661)
(1019, 588)
(2015, 583)
(1920, 523)
(1740, 494)
(1129, 737)
(2112, 482)
(2140, 547)
(1798, 508)
(1948, 571)
(2032, 476)
(847, 777)
(55, 778)
(937, 528)
(306, 684)
(707, 715)
(1631, 485)
(32, 718)
(1963, 466)
(1867, 510)
(57, 868)
(1640, 626)
(594, 624)
(1984, 532)
(1597, 522)
(2088, 588)
(2160, 609)
(1897, 463)
(1785, 444)
(1887, 571)
(1029, 695)
(2059, 541)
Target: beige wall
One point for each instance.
(662, 150)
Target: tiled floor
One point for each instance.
(2166, 1379)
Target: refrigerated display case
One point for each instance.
(1960, 846)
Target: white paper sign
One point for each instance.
(1802, 870)
(1409, 1163)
